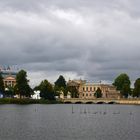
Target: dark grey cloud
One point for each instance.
(91, 39)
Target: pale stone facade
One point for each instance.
(9, 77)
(9, 81)
(87, 90)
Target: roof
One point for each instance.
(9, 78)
(8, 73)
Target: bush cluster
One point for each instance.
(26, 101)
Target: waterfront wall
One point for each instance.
(102, 101)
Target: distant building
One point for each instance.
(9, 76)
(87, 90)
(36, 95)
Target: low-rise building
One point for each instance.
(36, 95)
(87, 90)
(9, 77)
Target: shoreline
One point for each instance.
(43, 101)
(27, 101)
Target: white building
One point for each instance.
(36, 95)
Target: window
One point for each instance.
(87, 89)
(90, 88)
(83, 89)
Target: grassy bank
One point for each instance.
(26, 101)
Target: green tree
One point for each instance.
(60, 82)
(22, 87)
(46, 90)
(122, 83)
(136, 91)
(1, 84)
(9, 91)
(60, 85)
(98, 93)
(73, 90)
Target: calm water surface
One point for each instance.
(59, 122)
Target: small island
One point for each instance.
(15, 89)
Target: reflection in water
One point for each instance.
(69, 122)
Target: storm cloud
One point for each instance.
(89, 39)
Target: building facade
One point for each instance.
(36, 95)
(87, 90)
(9, 77)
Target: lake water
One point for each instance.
(69, 122)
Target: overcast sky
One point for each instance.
(90, 39)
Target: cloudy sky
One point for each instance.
(89, 39)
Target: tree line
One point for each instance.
(123, 84)
(49, 91)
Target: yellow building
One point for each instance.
(87, 90)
